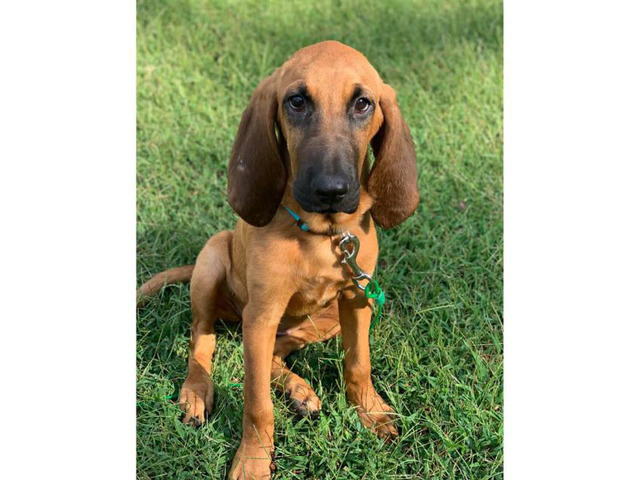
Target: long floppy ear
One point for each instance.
(256, 173)
(393, 182)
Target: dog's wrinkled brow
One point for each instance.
(357, 91)
(360, 90)
(299, 88)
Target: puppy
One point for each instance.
(299, 180)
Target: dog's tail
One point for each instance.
(155, 283)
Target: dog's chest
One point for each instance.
(314, 295)
(319, 285)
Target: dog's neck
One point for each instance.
(327, 223)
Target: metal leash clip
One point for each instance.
(350, 259)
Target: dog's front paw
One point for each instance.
(196, 399)
(374, 412)
(252, 462)
(303, 399)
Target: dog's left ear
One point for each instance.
(256, 173)
(393, 181)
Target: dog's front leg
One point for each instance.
(259, 324)
(355, 318)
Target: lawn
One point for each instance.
(437, 352)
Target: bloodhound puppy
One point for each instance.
(300, 150)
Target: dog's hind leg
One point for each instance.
(317, 328)
(207, 285)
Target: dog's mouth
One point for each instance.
(329, 210)
(312, 204)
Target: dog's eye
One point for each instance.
(362, 105)
(297, 103)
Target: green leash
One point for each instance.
(375, 293)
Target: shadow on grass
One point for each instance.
(165, 371)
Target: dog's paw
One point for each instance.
(374, 413)
(379, 422)
(302, 398)
(253, 462)
(196, 399)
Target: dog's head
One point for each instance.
(309, 125)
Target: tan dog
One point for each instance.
(302, 144)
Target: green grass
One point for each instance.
(437, 352)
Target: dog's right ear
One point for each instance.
(393, 181)
(256, 173)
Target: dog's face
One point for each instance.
(328, 113)
(309, 126)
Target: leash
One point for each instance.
(350, 245)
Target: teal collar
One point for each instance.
(303, 226)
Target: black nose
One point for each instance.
(330, 189)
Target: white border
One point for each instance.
(67, 190)
(67, 122)
(572, 265)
